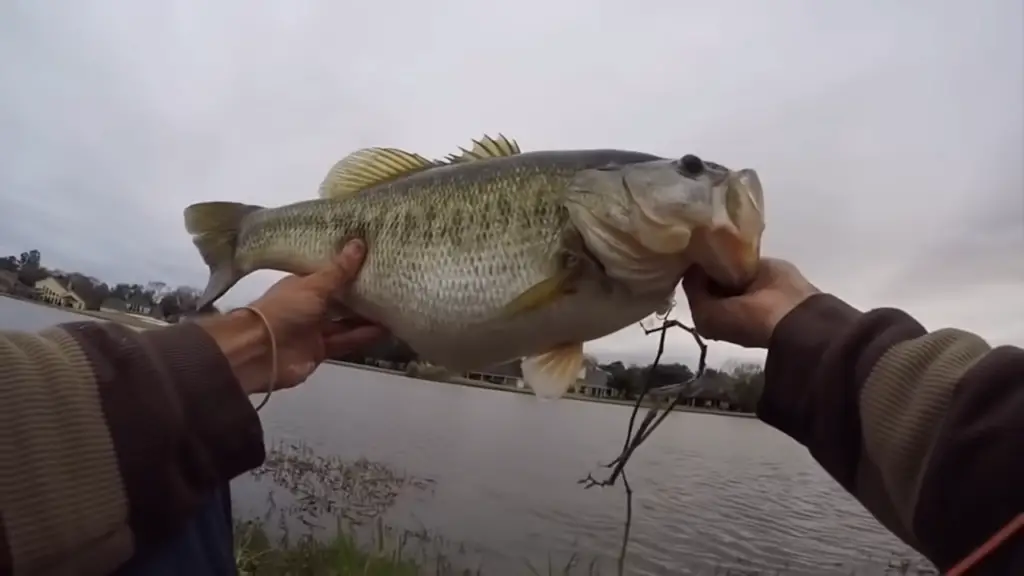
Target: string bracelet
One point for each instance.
(273, 354)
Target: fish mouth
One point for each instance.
(729, 249)
(734, 259)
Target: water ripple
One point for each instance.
(709, 491)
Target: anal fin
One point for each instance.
(550, 375)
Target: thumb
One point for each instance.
(343, 268)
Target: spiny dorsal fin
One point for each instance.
(486, 147)
(369, 167)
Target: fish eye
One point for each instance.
(691, 165)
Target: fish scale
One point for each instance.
(495, 254)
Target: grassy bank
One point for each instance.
(258, 554)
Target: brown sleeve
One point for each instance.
(926, 430)
(109, 438)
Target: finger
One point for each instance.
(337, 309)
(352, 340)
(334, 326)
(342, 269)
(338, 325)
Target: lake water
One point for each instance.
(710, 491)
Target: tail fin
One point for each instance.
(214, 227)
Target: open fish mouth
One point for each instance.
(729, 249)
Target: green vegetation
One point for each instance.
(337, 508)
(736, 386)
(257, 554)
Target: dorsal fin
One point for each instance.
(368, 167)
(486, 147)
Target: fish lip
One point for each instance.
(747, 180)
(735, 262)
(731, 245)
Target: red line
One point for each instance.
(991, 544)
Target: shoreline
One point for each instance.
(137, 323)
(459, 381)
(125, 319)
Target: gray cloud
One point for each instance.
(889, 135)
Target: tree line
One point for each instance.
(166, 302)
(738, 383)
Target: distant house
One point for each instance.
(114, 305)
(510, 368)
(712, 399)
(595, 382)
(713, 393)
(507, 374)
(591, 380)
(58, 292)
(139, 305)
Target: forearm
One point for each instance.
(925, 429)
(110, 437)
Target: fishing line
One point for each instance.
(654, 417)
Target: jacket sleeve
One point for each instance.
(925, 429)
(109, 438)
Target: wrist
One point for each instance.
(787, 302)
(245, 343)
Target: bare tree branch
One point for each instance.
(651, 421)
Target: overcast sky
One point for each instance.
(889, 135)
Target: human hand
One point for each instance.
(295, 311)
(748, 319)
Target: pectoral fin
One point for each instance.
(541, 294)
(550, 375)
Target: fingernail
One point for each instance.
(353, 249)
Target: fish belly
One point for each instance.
(574, 319)
(458, 323)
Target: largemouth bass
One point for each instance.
(493, 254)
